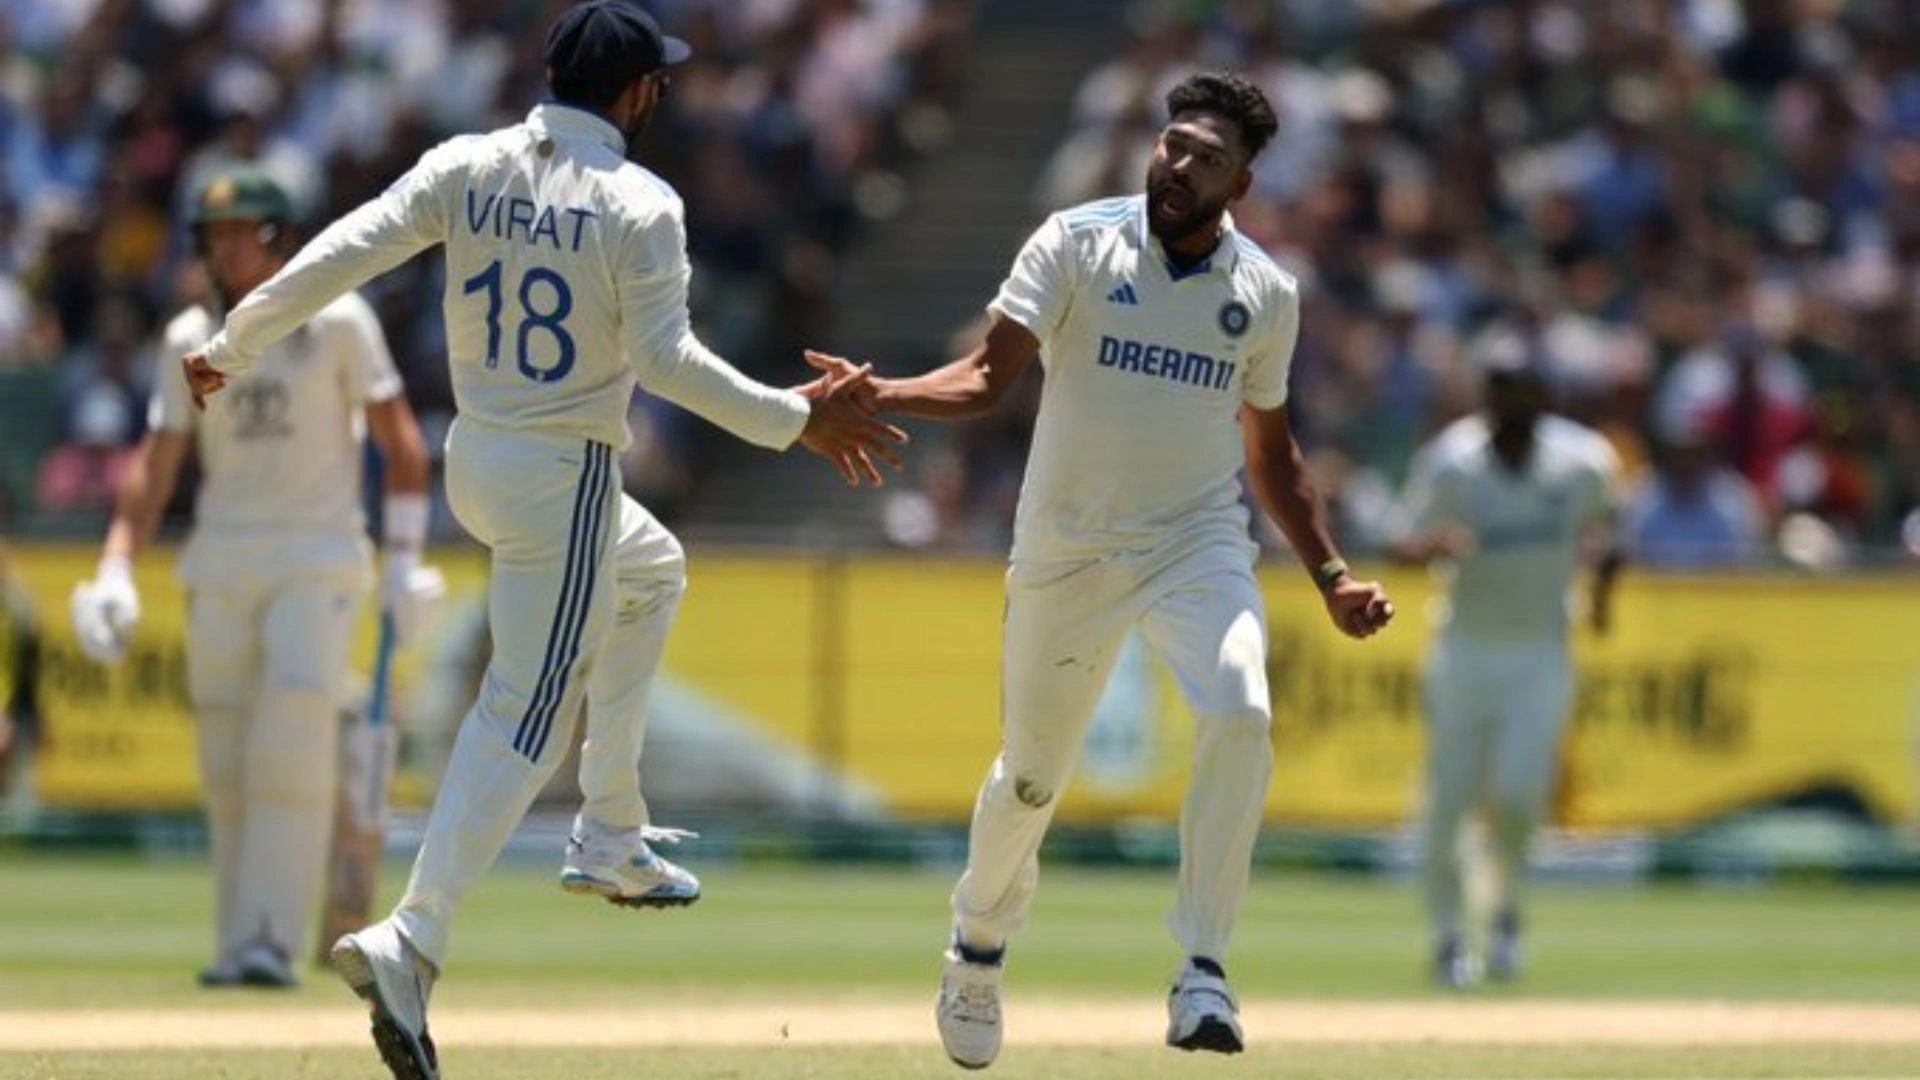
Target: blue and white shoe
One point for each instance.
(619, 866)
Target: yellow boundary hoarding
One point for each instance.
(1710, 694)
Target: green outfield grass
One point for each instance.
(917, 1063)
(80, 933)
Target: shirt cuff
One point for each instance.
(224, 358)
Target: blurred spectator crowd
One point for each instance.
(788, 129)
(1703, 216)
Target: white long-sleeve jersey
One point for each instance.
(567, 281)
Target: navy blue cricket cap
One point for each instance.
(609, 43)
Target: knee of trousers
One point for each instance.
(658, 586)
(1023, 790)
(221, 746)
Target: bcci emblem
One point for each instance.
(1234, 318)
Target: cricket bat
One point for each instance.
(360, 805)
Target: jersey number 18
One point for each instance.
(531, 318)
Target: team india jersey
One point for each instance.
(1138, 441)
(566, 281)
(1527, 526)
(280, 448)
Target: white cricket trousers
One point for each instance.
(1201, 610)
(584, 587)
(1495, 714)
(270, 623)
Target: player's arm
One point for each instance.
(1603, 540)
(404, 471)
(409, 592)
(106, 609)
(372, 239)
(973, 385)
(1028, 309)
(1277, 473)
(671, 362)
(145, 489)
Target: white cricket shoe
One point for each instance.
(264, 964)
(1202, 1014)
(968, 1011)
(379, 965)
(618, 864)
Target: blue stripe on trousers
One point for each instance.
(552, 668)
(561, 603)
(570, 652)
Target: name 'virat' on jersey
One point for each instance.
(1138, 440)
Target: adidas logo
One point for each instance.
(1124, 294)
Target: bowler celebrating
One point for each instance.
(566, 281)
(1165, 337)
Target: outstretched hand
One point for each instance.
(842, 430)
(203, 379)
(866, 393)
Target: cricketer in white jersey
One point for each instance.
(1165, 338)
(567, 282)
(275, 569)
(1512, 503)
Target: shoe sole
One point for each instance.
(406, 1057)
(587, 885)
(1212, 1035)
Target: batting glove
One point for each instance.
(105, 611)
(411, 593)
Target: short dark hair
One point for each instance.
(588, 93)
(1233, 96)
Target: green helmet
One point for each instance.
(240, 193)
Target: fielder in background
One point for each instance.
(1165, 337)
(275, 568)
(1510, 503)
(567, 281)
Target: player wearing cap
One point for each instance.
(567, 281)
(1165, 337)
(276, 566)
(1510, 503)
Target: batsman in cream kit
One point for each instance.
(275, 567)
(566, 284)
